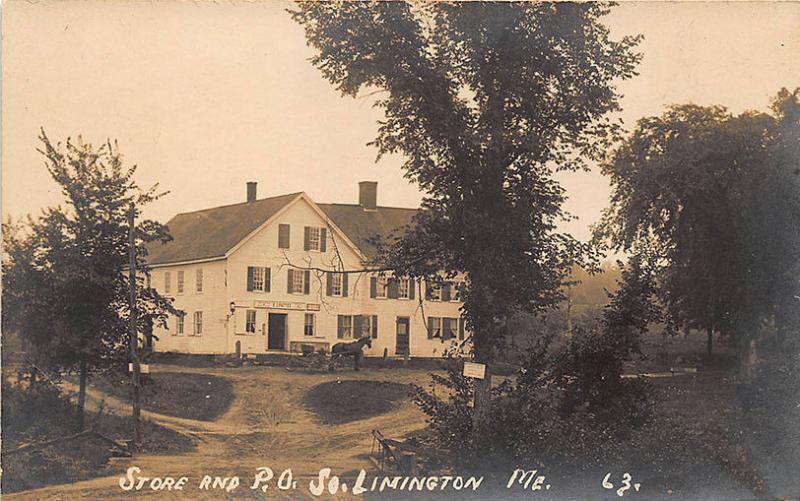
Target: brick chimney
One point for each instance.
(251, 191)
(368, 195)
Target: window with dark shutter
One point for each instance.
(374, 326)
(344, 284)
(358, 326)
(412, 285)
(430, 327)
(283, 236)
(307, 238)
(306, 282)
(446, 291)
(328, 283)
(323, 237)
(289, 280)
(250, 273)
(445, 329)
(461, 328)
(267, 279)
(373, 286)
(392, 288)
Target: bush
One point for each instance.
(565, 407)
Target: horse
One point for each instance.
(352, 348)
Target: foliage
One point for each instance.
(485, 102)
(568, 404)
(64, 284)
(716, 197)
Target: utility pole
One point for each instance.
(133, 331)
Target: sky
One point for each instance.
(204, 97)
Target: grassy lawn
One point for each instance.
(190, 396)
(41, 415)
(338, 402)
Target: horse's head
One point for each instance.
(368, 341)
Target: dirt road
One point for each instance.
(266, 426)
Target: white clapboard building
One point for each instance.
(253, 278)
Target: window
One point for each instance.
(434, 327)
(314, 238)
(367, 325)
(380, 287)
(283, 236)
(308, 328)
(198, 277)
(344, 327)
(298, 281)
(336, 284)
(167, 282)
(250, 321)
(403, 288)
(179, 323)
(449, 328)
(434, 292)
(456, 292)
(258, 279)
(180, 282)
(198, 323)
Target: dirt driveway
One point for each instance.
(266, 426)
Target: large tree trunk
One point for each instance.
(82, 394)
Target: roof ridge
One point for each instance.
(377, 206)
(239, 203)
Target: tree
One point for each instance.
(64, 288)
(715, 197)
(486, 102)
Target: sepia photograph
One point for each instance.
(400, 250)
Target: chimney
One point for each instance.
(251, 191)
(368, 195)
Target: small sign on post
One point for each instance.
(143, 368)
(473, 370)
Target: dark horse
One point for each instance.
(352, 348)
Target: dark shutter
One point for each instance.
(427, 290)
(374, 326)
(392, 292)
(289, 276)
(306, 243)
(461, 328)
(249, 278)
(306, 282)
(373, 286)
(344, 284)
(283, 236)
(328, 283)
(445, 329)
(323, 237)
(412, 284)
(430, 327)
(357, 326)
(339, 326)
(446, 291)
(267, 279)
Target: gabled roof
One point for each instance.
(361, 226)
(211, 233)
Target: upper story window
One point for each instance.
(378, 287)
(284, 233)
(314, 238)
(198, 277)
(433, 292)
(405, 288)
(180, 282)
(336, 284)
(298, 281)
(167, 282)
(258, 279)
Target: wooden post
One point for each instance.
(133, 331)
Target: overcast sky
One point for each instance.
(206, 96)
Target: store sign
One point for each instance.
(473, 370)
